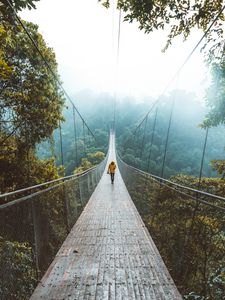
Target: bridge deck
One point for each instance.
(108, 254)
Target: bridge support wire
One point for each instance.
(136, 141)
(55, 76)
(75, 136)
(84, 139)
(184, 63)
(203, 157)
(167, 139)
(111, 227)
(143, 139)
(116, 71)
(61, 144)
(182, 218)
(41, 216)
(152, 138)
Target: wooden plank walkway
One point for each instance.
(109, 253)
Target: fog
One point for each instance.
(84, 37)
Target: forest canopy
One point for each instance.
(31, 104)
(215, 97)
(5, 6)
(180, 17)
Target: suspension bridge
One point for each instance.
(81, 237)
(108, 253)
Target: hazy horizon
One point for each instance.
(84, 38)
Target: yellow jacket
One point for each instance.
(112, 167)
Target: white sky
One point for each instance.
(84, 37)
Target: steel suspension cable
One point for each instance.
(84, 140)
(61, 143)
(167, 139)
(152, 138)
(89, 139)
(117, 67)
(207, 128)
(75, 136)
(47, 64)
(203, 157)
(184, 63)
(151, 109)
(177, 187)
(11, 133)
(136, 141)
(143, 139)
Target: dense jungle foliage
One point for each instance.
(80, 150)
(31, 108)
(146, 148)
(188, 234)
(186, 138)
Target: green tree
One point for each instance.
(5, 70)
(219, 166)
(31, 98)
(18, 5)
(20, 169)
(96, 158)
(215, 100)
(181, 16)
(16, 261)
(31, 102)
(215, 97)
(92, 160)
(85, 165)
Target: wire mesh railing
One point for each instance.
(33, 224)
(188, 228)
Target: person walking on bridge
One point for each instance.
(111, 170)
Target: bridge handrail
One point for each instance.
(171, 182)
(46, 183)
(66, 178)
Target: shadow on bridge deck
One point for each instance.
(108, 254)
